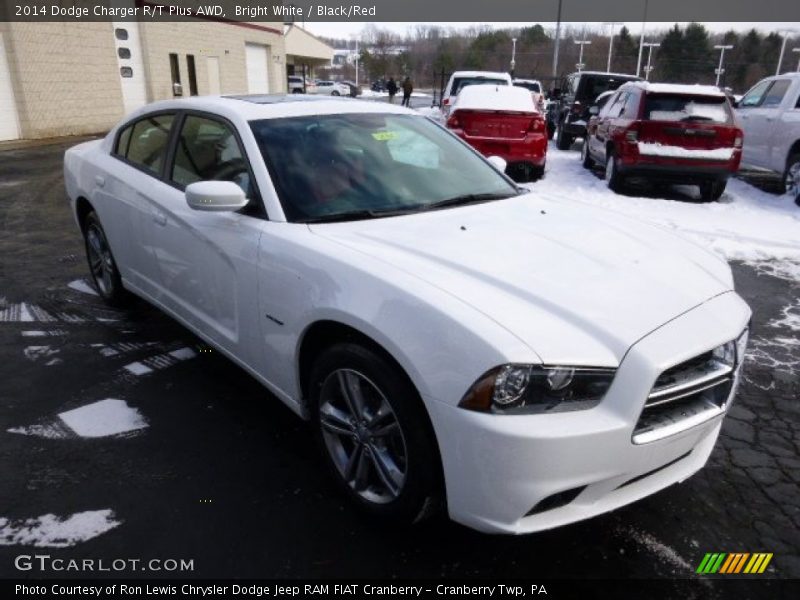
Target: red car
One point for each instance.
(501, 120)
(672, 133)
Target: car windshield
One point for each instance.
(677, 107)
(459, 83)
(362, 165)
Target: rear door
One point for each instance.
(758, 112)
(693, 122)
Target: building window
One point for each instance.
(124, 52)
(121, 34)
(175, 70)
(126, 72)
(192, 75)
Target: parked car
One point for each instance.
(379, 85)
(355, 90)
(331, 88)
(770, 117)
(501, 120)
(296, 86)
(666, 132)
(461, 79)
(453, 341)
(573, 98)
(534, 86)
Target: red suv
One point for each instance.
(673, 133)
(502, 120)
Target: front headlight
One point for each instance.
(527, 389)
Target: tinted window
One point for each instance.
(677, 107)
(459, 83)
(593, 86)
(208, 150)
(631, 110)
(327, 165)
(755, 95)
(148, 143)
(776, 93)
(533, 87)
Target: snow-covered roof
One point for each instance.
(526, 81)
(677, 88)
(494, 97)
(487, 74)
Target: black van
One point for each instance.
(578, 91)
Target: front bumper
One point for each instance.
(498, 468)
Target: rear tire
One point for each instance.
(374, 432)
(565, 140)
(586, 158)
(614, 180)
(334, 93)
(711, 191)
(102, 266)
(791, 177)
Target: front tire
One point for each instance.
(375, 434)
(102, 265)
(334, 93)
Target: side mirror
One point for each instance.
(215, 196)
(498, 163)
(594, 109)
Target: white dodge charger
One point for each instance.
(455, 340)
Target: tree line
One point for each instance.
(686, 54)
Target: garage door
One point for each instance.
(9, 124)
(257, 76)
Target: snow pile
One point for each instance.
(99, 419)
(656, 149)
(51, 531)
(432, 112)
(746, 224)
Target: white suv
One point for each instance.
(461, 79)
(331, 88)
(770, 118)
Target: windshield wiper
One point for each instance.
(354, 215)
(466, 199)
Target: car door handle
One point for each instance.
(160, 218)
(99, 180)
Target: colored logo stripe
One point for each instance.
(724, 563)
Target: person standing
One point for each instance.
(408, 87)
(391, 87)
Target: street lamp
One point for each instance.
(513, 54)
(648, 68)
(719, 70)
(798, 59)
(641, 40)
(581, 43)
(611, 24)
(557, 40)
(785, 33)
(355, 38)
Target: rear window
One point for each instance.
(533, 87)
(459, 83)
(677, 107)
(592, 87)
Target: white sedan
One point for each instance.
(455, 340)
(331, 88)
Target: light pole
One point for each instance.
(641, 40)
(719, 70)
(648, 68)
(558, 39)
(513, 55)
(581, 43)
(798, 58)
(611, 24)
(785, 33)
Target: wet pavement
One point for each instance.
(210, 467)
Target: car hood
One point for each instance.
(578, 285)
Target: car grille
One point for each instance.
(684, 396)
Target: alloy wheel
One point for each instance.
(793, 179)
(363, 436)
(101, 262)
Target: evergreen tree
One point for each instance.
(670, 56)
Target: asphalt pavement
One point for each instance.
(216, 470)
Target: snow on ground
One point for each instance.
(368, 93)
(52, 531)
(745, 224)
(80, 285)
(103, 418)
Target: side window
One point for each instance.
(631, 110)
(609, 103)
(208, 150)
(149, 138)
(755, 95)
(618, 105)
(775, 94)
(123, 141)
(797, 105)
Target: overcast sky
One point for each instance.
(348, 29)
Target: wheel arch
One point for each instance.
(82, 209)
(793, 149)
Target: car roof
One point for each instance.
(605, 74)
(252, 107)
(495, 74)
(676, 88)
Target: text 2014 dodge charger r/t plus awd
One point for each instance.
(451, 338)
